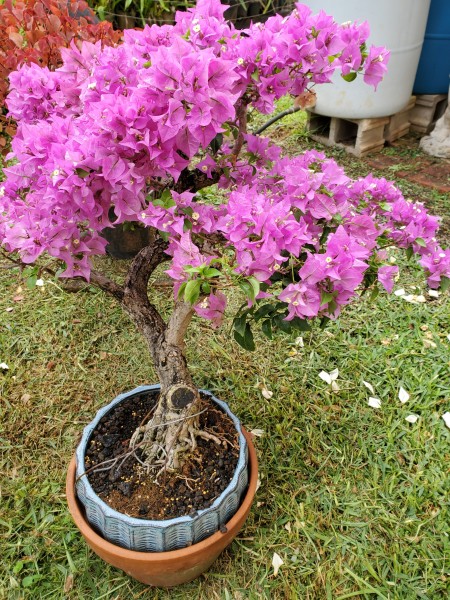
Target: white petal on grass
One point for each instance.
(434, 293)
(276, 563)
(40, 283)
(329, 377)
(258, 484)
(400, 292)
(374, 402)
(266, 393)
(257, 432)
(299, 341)
(403, 395)
(412, 418)
(448, 336)
(334, 386)
(4, 366)
(369, 386)
(334, 374)
(446, 417)
(413, 299)
(325, 377)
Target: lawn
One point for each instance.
(354, 499)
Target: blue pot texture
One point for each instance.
(165, 535)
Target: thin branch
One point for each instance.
(241, 113)
(178, 323)
(284, 113)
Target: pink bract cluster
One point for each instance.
(108, 136)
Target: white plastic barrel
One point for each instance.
(397, 24)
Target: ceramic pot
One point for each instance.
(171, 534)
(166, 569)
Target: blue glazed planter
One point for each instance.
(171, 534)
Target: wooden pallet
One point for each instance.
(360, 136)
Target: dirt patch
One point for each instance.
(130, 490)
(408, 162)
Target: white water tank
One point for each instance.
(397, 24)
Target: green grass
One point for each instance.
(355, 500)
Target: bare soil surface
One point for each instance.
(127, 487)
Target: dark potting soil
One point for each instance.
(206, 472)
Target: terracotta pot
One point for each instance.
(165, 569)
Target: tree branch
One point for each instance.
(107, 285)
(178, 323)
(241, 113)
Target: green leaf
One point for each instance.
(266, 328)
(300, 324)
(216, 143)
(281, 324)
(81, 172)
(255, 285)
(324, 322)
(239, 324)
(31, 282)
(30, 580)
(246, 341)
(326, 298)
(206, 288)
(349, 77)
(421, 242)
(165, 200)
(250, 287)
(192, 291)
(409, 253)
(374, 293)
(187, 225)
(17, 567)
(181, 290)
(445, 283)
(211, 272)
(263, 311)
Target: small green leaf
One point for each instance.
(266, 328)
(187, 225)
(409, 253)
(147, 64)
(246, 341)
(281, 324)
(181, 290)
(374, 293)
(445, 283)
(81, 172)
(263, 311)
(326, 298)
(239, 324)
(255, 285)
(349, 77)
(300, 324)
(31, 282)
(30, 580)
(17, 567)
(192, 291)
(206, 288)
(250, 287)
(211, 272)
(421, 242)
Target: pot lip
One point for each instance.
(134, 555)
(164, 523)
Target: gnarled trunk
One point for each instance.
(173, 427)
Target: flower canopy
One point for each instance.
(115, 134)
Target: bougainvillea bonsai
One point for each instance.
(140, 131)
